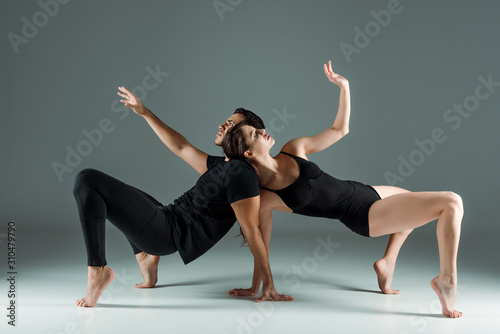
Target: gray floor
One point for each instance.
(335, 291)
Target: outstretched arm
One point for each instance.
(305, 145)
(247, 213)
(172, 139)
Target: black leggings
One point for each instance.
(139, 216)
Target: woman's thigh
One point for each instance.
(404, 211)
(386, 191)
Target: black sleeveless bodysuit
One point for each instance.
(317, 194)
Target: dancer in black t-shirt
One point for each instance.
(227, 191)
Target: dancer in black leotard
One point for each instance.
(227, 190)
(296, 185)
(315, 193)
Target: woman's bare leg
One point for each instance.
(97, 281)
(405, 211)
(384, 267)
(149, 269)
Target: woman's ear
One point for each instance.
(249, 155)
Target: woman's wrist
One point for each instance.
(256, 285)
(255, 288)
(344, 86)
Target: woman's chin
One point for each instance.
(271, 144)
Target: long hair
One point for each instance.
(234, 145)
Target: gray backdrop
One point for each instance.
(409, 73)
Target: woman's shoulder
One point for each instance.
(294, 147)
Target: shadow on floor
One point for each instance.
(174, 306)
(336, 284)
(212, 280)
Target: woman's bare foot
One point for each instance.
(446, 292)
(149, 269)
(98, 280)
(384, 271)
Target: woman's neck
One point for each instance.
(266, 167)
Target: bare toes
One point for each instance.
(391, 292)
(144, 285)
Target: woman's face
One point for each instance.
(259, 142)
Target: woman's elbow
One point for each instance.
(342, 131)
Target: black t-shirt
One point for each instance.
(204, 213)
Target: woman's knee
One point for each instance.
(454, 202)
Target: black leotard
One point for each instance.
(317, 194)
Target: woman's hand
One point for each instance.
(131, 101)
(335, 77)
(269, 293)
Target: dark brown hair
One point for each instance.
(234, 143)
